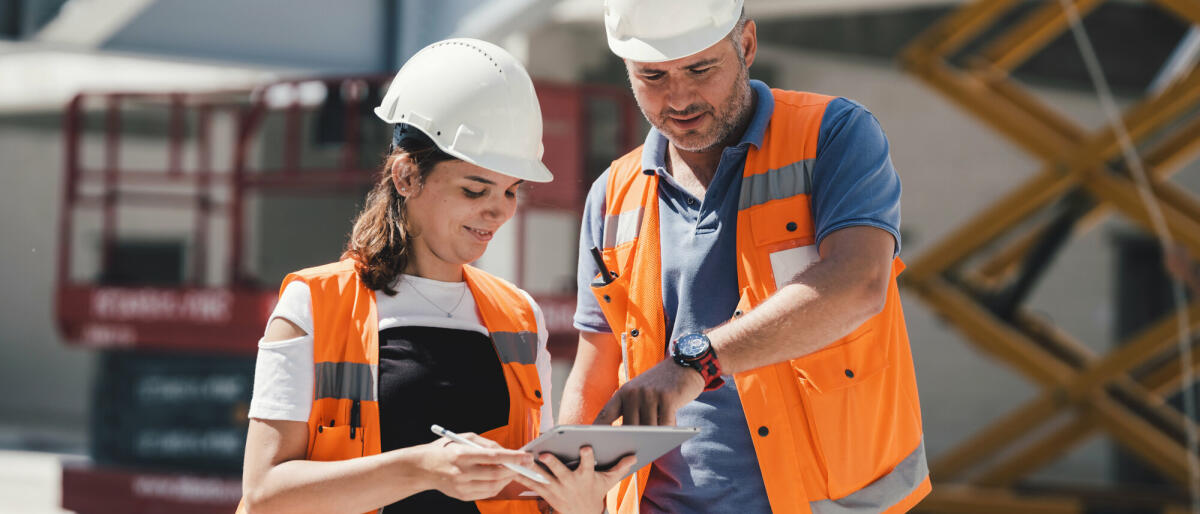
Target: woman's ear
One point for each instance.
(406, 177)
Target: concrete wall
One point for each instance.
(45, 380)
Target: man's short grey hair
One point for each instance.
(735, 36)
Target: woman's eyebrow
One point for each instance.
(480, 179)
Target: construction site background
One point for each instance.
(952, 165)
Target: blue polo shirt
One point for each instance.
(853, 184)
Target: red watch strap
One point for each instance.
(710, 370)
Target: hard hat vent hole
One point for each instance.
(473, 47)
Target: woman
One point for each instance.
(361, 356)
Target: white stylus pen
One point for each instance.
(529, 473)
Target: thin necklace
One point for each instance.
(448, 313)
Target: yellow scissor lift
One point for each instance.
(978, 277)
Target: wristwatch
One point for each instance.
(695, 351)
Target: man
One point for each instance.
(750, 247)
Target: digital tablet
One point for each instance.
(610, 443)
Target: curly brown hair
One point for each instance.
(380, 240)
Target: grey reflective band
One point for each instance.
(519, 347)
(622, 228)
(349, 380)
(889, 490)
(788, 181)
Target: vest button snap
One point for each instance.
(537, 394)
(634, 332)
(791, 226)
(762, 431)
(849, 374)
(607, 299)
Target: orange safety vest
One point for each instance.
(346, 365)
(838, 430)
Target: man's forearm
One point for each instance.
(821, 305)
(576, 409)
(799, 319)
(592, 380)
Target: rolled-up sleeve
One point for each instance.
(854, 183)
(588, 316)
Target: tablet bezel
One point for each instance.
(610, 443)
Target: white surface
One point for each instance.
(39, 77)
(636, 30)
(786, 264)
(610, 443)
(89, 23)
(476, 102)
(30, 483)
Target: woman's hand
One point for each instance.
(580, 491)
(467, 473)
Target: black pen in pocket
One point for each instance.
(605, 275)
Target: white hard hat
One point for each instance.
(664, 30)
(476, 102)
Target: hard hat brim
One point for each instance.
(670, 48)
(515, 167)
(512, 166)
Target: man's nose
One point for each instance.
(680, 95)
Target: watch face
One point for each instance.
(691, 346)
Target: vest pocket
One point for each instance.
(532, 402)
(783, 237)
(786, 264)
(844, 389)
(781, 220)
(334, 443)
(614, 300)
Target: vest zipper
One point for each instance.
(354, 418)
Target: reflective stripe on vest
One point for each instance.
(832, 453)
(777, 184)
(345, 380)
(622, 228)
(516, 347)
(346, 365)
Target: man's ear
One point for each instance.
(750, 42)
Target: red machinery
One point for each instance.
(261, 135)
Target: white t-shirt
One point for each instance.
(283, 373)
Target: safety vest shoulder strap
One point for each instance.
(344, 313)
(625, 197)
(507, 314)
(789, 145)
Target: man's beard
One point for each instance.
(735, 110)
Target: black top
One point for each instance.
(438, 376)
